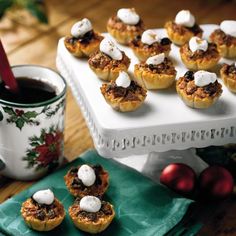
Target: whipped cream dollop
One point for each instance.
(229, 27)
(185, 18)
(203, 78)
(149, 37)
(90, 204)
(128, 16)
(80, 28)
(108, 47)
(196, 43)
(44, 197)
(123, 80)
(87, 175)
(156, 60)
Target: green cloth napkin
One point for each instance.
(143, 208)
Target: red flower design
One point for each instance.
(19, 112)
(51, 149)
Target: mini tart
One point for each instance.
(180, 34)
(200, 60)
(42, 217)
(92, 222)
(159, 76)
(78, 189)
(124, 99)
(143, 51)
(122, 32)
(226, 44)
(85, 46)
(107, 68)
(228, 75)
(197, 97)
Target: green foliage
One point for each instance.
(20, 118)
(31, 114)
(37, 11)
(49, 112)
(4, 6)
(9, 111)
(35, 7)
(20, 123)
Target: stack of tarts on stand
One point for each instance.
(125, 25)
(83, 40)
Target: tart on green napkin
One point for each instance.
(142, 207)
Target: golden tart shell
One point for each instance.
(228, 78)
(94, 190)
(143, 51)
(151, 79)
(28, 210)
(107, 68)
(200, 60)
(226, 44)
(80, 49)
(198, 99)
(121, 103)
(179, 34)
(123, 33)
(87, 225)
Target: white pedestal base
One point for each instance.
(152, 164)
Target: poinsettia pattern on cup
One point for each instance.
(45, 150)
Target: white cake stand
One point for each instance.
(163, 130)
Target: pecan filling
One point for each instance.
(128, 94)
(86, 39)
(229, 70)
(157, 47)
(101, 60)
(219, 37)
(187, 84)
(165, 67)
(116, 23)
(105, 210)
(183, 29)
(78, 184)
(211, 52)
(43, 211)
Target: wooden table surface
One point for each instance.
(31, 43)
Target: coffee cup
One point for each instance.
(31, 134)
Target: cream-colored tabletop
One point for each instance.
(28, 42)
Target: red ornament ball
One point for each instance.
(179, 177)
(215, 182)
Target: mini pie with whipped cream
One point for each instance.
(157, 72)
(43, 211)
(225, 38)
(108, 61)
(92, 215)
(83, 40)
(87, 180)
(200, 89)
(125, 26)
(228, 75)
(150, 44)
(198, 54)
(124, 94)
(183, 28)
